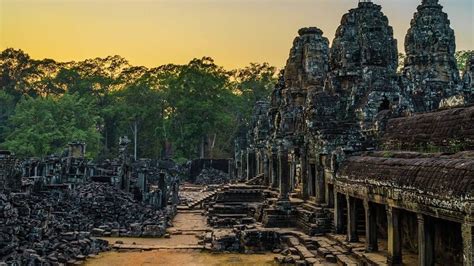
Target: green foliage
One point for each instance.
(7, 104)
(42, 126)
(401, 62)
(462, 57)
(181, 110)
(253, 83)
(197, 101)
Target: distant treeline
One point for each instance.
(185, 111)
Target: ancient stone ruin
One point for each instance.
(53, 209)
(349, 162)
(372, 166)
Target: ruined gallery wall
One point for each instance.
(449, 130)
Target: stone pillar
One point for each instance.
(157, 199)
(250, 164)
(425, 241)
(351, 219)
(231, 168)
(394, 237)
(162, 187)
(142, 182)
(266, 170)
(175, 198)
(338, 214)
(370, 227)
(329, 195)
(242, 165)
(310, 178)
(284, 175)
(304, 173)
(320, 188)
(258, 160)
(468, 242)
(292, 172)
(275, 174)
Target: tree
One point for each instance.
(7, 105)
(401, 62)
(253, 83)
(42, 126)
(197, 107)
(139, 108)
(189, 110)
(15, 67)
(462, 57)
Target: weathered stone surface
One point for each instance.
(212, 176)
(364, 38)
(324, 119)
(57, 225)
(440, 182)
(468, 80)
(448, 130)
(10, 175)
(430, 64)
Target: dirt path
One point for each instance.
(175, 257)
(182, 248)
(187, 227)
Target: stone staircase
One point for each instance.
(315, 219)
(206, 195)
(234, 204)
(320, 250)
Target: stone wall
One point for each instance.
(347, 133)
(448, 130)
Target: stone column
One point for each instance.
(370, 227)
(468, 242)
(351, 219)
(231, 168)
(250, 164)
(175, 198)
(258, 159)
(266, 170)
(310, 178)
(329, 199)
(394, 237)
(142, 182)
(292, 171)
(320, 188)
(275, 174)
(425, 241)
(284, 175)
(304, 172)
(162, 187)
(243, 165)
(338, 214)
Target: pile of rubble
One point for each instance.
(36, 230)
(243, 238)
(59, 226)
(110, 211)
(212, 176)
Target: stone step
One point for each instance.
(156, 247)
(346, 260)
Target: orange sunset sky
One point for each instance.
(156, 32)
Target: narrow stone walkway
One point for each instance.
(181, 248)
(188, 225)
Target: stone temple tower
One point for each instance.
(363, 62)
(307, 64)
(305, 72)
(430, 65)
